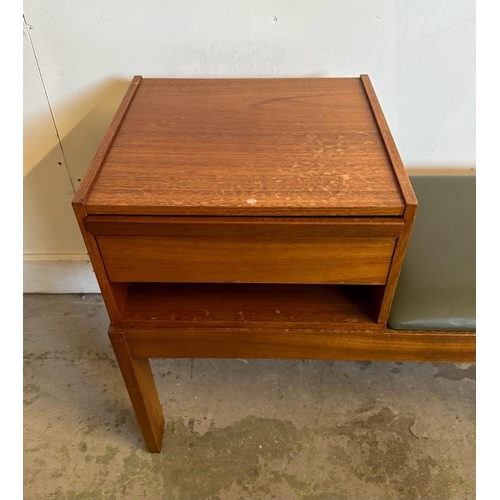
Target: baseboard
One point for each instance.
(59, 274)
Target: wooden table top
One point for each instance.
(303, 146)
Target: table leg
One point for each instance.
(141, 388)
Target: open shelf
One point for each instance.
(186, 305)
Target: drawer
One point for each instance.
(245, 250)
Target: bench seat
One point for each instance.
(437, 287)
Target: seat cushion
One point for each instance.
(437, 286)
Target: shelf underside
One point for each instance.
(184, 305)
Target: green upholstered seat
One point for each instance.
(437, 286)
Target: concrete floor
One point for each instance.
(237, 429)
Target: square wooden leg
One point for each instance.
(141, 387)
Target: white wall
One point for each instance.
(420, 56)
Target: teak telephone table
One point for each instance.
(249, 218)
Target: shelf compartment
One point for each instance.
(184, 305)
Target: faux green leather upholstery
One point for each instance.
(437, 286)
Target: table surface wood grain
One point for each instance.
(281, 147)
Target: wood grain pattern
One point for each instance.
(396, 265)
(304, 146)
(90, 177)
(114, 294)
(392, 150)
(141, 389)
(382, 345)
(244, 227)
(181, 305)
(232, 259)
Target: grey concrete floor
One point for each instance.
(237, 429)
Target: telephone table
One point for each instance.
(249, 218)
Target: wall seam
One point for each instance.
(27, 31)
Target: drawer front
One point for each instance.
(335, 252)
